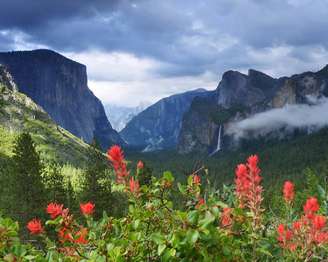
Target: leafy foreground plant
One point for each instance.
(228, 225)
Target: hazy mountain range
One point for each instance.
(119, 116)
(244, 106)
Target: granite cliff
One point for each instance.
(59, 86)
(240, 96)
(20, 113)
(158, 126)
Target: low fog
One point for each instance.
(302, 116)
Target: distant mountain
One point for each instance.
(254, 106)
(20, 113)
(119, 116)
(158, 126)
(59, 85)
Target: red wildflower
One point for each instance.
(64, 235)
(297, 225)
(322, 237)
(248, 188)
(253, 161)
(134, 185)
(35, 226)
(81, 236)
(200, 203)
(54, 210)
(319, 222)
(288, 191)
(196, 180)
(292, 247)
(241, 171)
(284, 234)
(116, 156)
(254, 169)
(242, 183)
(140, 165)
(311, 206)
(87, 208)
(289, 235)
(281, 229)
(226, 219)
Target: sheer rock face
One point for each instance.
(59, 85)
(239, 96)
(158, 126)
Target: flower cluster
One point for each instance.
(134, 185)
(54, 210)
(226, 217)
(87, 208)
(248, 187)
(116, 157)
(308, 231)
(35, 226)
(206, 225)
(68, 231)
(196, 180)
(288, 191)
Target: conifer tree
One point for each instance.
(70, 197)
(96, 186)
(55, 183)
(28, 188)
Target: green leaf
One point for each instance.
(158, 238)
(169, 254)
(168, 176)
(322, 192)
(160, 249)
(207, 220)
(264, 251)
(190, 180)
(193, 217)
(181, 188)
(192, 236)
(136, 224)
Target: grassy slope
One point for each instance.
(19, 113)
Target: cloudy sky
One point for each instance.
(142, 50)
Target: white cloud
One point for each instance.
(116, 66)
(284, 60)
(126, 80)
(131, 93)
(289, 117)
(18, 40)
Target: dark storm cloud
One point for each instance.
(26, 14)
(188, 37)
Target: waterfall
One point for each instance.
(218, 146)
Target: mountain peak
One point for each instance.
(230, 74)
(324, 70)
(252, 73)
(59, 85)
(41, 55)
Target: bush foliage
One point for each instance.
(169, 221)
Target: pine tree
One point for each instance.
(28, 188)
(96, 187)
(55, 184)
(70, 197)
